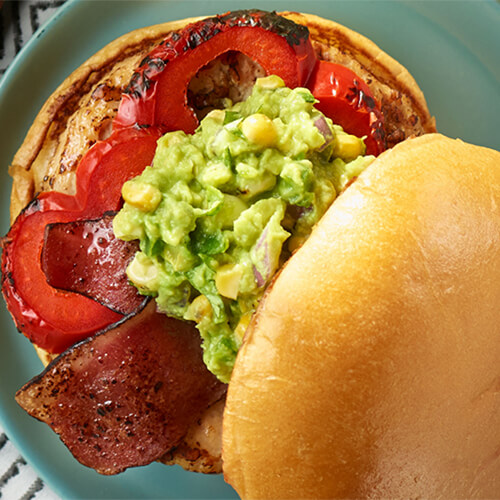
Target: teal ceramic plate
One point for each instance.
(450, 47)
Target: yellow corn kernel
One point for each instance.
(227, 280)
(199, 309)
(260, 130)
(270, 82)
(242, 326)
(143, 196)
(143, 273)
(295, 242)
(348, 147)
(217, 114)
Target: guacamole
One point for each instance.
(219, 211)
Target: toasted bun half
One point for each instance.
(77, 114)
(372, 367)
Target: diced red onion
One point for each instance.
(258, 277)
(262, 242)
(321, 124)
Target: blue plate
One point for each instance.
(451, 48)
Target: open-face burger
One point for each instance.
(253, 123)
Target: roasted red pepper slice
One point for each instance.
(54, 319)
(348, 101)
(157, 94)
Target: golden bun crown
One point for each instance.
(372, 367)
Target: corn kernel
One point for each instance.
(145, 197)
(242, 326)
(260, 130)
(348, 147)
(227, 280)
(217, 114)
(295, 242)
(199, 309)
(270, 82)
(143, 273)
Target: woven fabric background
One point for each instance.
(18, 21)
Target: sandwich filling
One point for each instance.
(219, 211)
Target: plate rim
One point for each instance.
(8, 77)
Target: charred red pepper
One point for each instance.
(157, 94)
(348, 101)
(157, 97)
(54, 319)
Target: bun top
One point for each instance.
(372, 367)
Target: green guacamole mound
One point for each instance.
(220, 210)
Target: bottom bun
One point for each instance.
(372, 367)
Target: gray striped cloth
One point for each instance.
(18, 481)
(18, 21)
